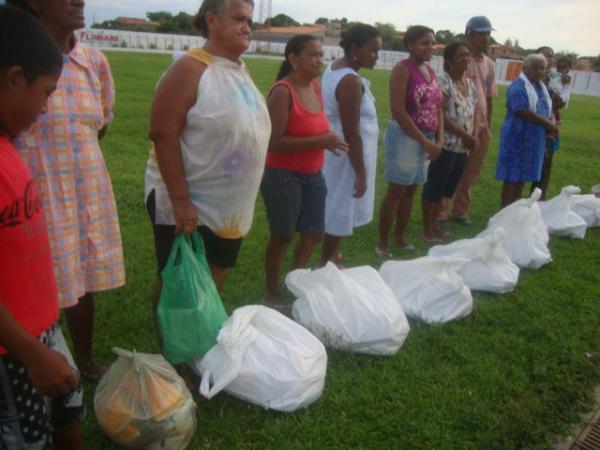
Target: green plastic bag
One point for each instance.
(190, 312)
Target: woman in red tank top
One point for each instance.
(293, 187)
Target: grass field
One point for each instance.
(512, 375)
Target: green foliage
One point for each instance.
(444, 36)
(182, 23)
(388, 33)
(512, 375)
(281, 20)
(322, 21)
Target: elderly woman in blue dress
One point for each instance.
(528, 120)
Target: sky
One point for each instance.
(572, 25)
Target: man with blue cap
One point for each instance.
(482, 73)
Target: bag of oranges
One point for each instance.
(141, 402)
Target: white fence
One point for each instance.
(584, 83)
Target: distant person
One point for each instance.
(210, 128)
(460, 101)
(482, 73)
(552, 138)
(560, 79)
(293, 187)
(350, 108)
(523, 137)
(63, 152)
(40, 393)
(413, 138)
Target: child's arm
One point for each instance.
(49, 371)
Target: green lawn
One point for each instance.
(512, 375)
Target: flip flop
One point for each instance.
(383, 254)
(434, 240)
(407, 246)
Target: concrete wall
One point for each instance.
(584, 83)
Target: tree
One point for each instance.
(388, 34)
(322, 21)
(444, 36)
(281, 20)
(596, 64)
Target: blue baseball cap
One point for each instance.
(479, 24)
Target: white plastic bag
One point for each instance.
(526, 241)
(351, 309)
(588, 208)
(264, 358)
(559, 217)
(489, 268)
(141, 402)
(429, 288)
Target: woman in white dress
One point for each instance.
(350, 108)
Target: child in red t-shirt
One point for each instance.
(40, 394)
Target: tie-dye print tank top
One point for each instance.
(224, 145)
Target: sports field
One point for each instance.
(514, 374)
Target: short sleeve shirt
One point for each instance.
(460, 109)
(27, 286)
(483, 74)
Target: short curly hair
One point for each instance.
(214, 6)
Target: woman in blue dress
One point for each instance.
(523, 136)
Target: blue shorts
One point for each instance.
(294, 201)
(406, 162)
(28, 419)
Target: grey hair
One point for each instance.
(534, 58)
(215, 7)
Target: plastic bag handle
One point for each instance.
(174, 256)
(227, 377)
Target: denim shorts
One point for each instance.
(406, 161)
(294, 201)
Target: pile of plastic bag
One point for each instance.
(141, 402)
(489, 269)
(526, 241)
(429, 288)
(351, 309)
(559, 216)
(266, 359)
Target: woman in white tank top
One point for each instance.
(210, 128)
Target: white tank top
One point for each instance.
(223, 145)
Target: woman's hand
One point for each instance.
(433, 148)
(471, 142)
(334, 143)
(360, 186)
(186, 216)
(51, 373)
(552, 128)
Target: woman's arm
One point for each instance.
(530, 116)
(349, 94)
(398, 87)
(279, 103)
(175, 95)
(451, 127)
(49, 371)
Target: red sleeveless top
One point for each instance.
(301, 123)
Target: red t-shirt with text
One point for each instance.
(27, 286)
